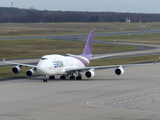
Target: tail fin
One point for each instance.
(88, 47)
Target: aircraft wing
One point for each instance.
(94, 58)
(19, 64)
(103, 67)
(102, 57)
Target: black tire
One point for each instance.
(45, 80)
(79, 78)
(72, 77)
(52, 77)
(63, 77)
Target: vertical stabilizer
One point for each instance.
(88, 47)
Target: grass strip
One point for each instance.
(36, 29)
(13, 49)
(153, 38)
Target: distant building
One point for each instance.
(128, 20)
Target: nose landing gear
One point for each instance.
(45, 79)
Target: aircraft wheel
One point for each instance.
(52, 77)
(78, 78)
(45, 80)
(72, 77)
(62, 77)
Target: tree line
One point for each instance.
(17, 15)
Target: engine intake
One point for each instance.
(119, 71)
(90, 73)
(16, 69)
(30, 73)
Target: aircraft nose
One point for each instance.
(41, 68)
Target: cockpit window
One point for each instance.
(44, 59)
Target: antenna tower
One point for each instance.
(11, 4)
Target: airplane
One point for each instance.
(69, 66)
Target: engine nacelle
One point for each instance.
(16, 70)
(90, 73)
(30, 73)
(119, 71)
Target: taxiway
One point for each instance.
(135, 95)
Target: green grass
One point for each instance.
(125, 60)
(34, 29)
(6, 72)
(153, 38)
(12, 49)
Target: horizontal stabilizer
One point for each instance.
(102, 57)
(71, 54)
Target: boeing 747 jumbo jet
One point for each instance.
(69, 66)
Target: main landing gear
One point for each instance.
(71, 77)
(63, 77)
(79, 77)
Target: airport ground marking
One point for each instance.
(124, 96)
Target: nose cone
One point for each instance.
(42, 68)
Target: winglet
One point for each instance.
(4, 59)
(156, 60)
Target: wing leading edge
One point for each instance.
(19, 64)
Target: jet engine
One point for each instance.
(16, 69)
(30, 73)
(119, 71)
(90, 73)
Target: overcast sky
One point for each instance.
(132, 6)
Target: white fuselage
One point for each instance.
(57, 64)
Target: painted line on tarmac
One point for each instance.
(91, 104)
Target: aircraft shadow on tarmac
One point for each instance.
(39, 77)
